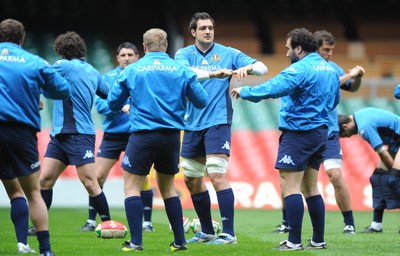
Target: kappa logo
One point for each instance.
(287, 160)
(126, 161)
(226, 145)
(88, 154)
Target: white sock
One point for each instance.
(91, 222)
(292, 245)
(317, 244)
(146, 223)
(376, 225)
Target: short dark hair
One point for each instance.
(324, 36)
(343, 119)
(304, 38)
(199, 16)
(12, 31)
(128, 45)
(70, 46)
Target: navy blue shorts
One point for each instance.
(159, 147)
(213, 140)
(385, 190)
(333, 149)
(19, 155)
(112, 145)
(72, 149)
(299, 149)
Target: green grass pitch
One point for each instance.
(253, 230)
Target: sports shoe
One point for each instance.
(24, 249)
(281, 229)
(349, 229)
(87, 227)
(201, 237)
(310, 246)
(148, 228)
(224, 238)
(47, 254)
(284, 247)
(31, 231)
(128, 246)
(370, 229)
(173, 247)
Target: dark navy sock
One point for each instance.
(100, 204)
(284, 217)
(173, 208)
(92, 210)
(202, 205)
(316, 209)
(134, 215)
(348, 218)
(44, 241)
(295, 212)
(20, 218)
(226, 202)
(378, 215)
(147, 198)
(47, 196)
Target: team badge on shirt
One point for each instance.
(215, 58)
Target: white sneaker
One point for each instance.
(24, 249)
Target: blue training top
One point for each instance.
(73, 115)
(23, 76)
(309, 90)
(378, 127)
(333, 115)
(159, 88)
(114, 121)
(219, 110)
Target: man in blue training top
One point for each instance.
(332, 161)
(159, 89)
(207, 137)
(309, 90)
(381, 129)
(117, 129)
(72, 138)
(24, 77)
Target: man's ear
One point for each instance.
(299, 49)
(193, 33)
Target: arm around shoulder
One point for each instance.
(54, 86)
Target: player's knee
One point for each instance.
(216, 165)
(192, 168)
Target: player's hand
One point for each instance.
(243, 72)
(235, 92)
(357, 71)
(221, 73)
(126, 108)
